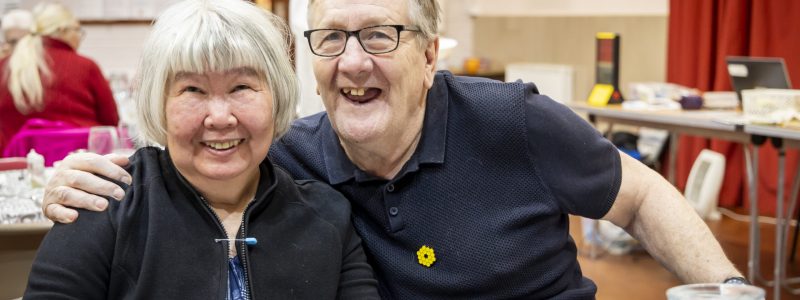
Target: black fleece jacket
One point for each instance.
(158, 243)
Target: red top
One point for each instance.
(77, 93)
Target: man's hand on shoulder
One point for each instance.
(76, 184)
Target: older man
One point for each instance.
(461, 188)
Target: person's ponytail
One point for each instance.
(26, 69)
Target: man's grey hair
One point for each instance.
(424, 14)
(198, 36)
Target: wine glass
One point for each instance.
(126, 145)
(102, 139)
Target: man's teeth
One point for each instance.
(354, 91)
(223, 145)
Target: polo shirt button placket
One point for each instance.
(391, 199)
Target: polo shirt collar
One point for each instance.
(430, 150)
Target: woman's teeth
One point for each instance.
(354, 91)
(223, 145)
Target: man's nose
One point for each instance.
(355, 61)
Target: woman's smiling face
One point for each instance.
(219, 124)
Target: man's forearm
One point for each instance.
(671, 231)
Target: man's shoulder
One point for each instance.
(310, 122)
(303, 135)
(475, 86)
(305, 131)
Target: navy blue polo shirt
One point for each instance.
(481, 208)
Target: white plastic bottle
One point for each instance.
(35, 169)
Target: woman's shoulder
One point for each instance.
(328, 203)
(145, 166)
(146, 158)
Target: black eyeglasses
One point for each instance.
(374, 39)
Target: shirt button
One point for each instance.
(393, 211)
(390, 188)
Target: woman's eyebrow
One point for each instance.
(184, 75)
(246, 71)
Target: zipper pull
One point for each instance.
(249, 241)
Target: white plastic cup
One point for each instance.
(714, 291)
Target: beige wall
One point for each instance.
(458, 15)
(570, 40)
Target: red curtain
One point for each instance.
(701, 35)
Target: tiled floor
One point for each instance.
(639, 276)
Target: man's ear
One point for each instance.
(431, 56)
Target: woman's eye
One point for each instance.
(192, 89)
(240, 87)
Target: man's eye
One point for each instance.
(378, 35)
(333, 37)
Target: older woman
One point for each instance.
(210, 217)
(46, 78)
(16, 24)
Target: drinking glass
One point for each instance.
(715, 291)
(126, 145)
(102, 139)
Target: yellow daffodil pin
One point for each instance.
(426, 256)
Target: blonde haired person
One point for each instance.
(16, 24)
(210, 216)
(45, 78)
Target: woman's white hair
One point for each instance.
(200, 36)
(27, 66)
(17, 19)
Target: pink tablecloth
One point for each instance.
(52, 139)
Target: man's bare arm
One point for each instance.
(654, 212)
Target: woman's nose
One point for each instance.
(219, 115)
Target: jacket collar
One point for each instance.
(267, 182)
(56, 43)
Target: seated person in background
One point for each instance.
(216, 87)
(45, 78)
(16, 24)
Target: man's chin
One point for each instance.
(359, 135)
(358, 129)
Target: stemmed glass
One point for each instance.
(103, 139)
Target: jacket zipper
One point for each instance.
(243, 248)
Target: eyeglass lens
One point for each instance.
(375, 40)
